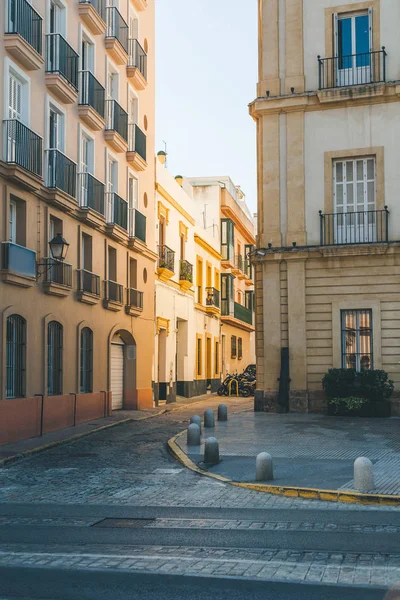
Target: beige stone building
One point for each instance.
(328, 259)
(77, 105)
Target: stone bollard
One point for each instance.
(222, 412)
(196, 419)
(209, 420)
(193, 435)
(211, 451)
(363, 475)
(264, 467)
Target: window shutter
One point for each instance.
(335, 27)
(14, 98)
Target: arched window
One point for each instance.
(15, 356)
(86, 385)
(54, 358)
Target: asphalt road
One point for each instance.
(58, 584)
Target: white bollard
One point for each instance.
(264, 467)
(196, 419)
(193, 435)
(363, 475)
(209, 420)
(211, 451)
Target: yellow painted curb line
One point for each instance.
(286, 491)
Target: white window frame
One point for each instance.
(64, 23)
(13, 222)
(11, 67)
(357, 313)
(84, 35)
(112, 69)
(132, 207)
(84, 133)
(51, 104)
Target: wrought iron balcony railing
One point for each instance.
(23, 147)
(166, 258)
(239, 262)
(91, 92)
(186, 271)
(354, 69)
(212, 297)
(88, 282)
(98, 5)
(137, 224)
(137, 57)
(116, 119)
(18, 259)
(57, 272)
(23, 19)
(361, 227)
(137, 140)
(134, 298)
(117, 210)
(61, 58)
(91, 192)
(116, 27)
(243, 314)
(60, 172)
(113, 291)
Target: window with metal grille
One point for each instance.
(86, 386)
(240, 348)
(54, 358)
(15, 356)
(199, 357)
(357, 339)
(233, 346)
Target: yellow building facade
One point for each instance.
(328, 261)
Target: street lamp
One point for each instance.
(58, 247)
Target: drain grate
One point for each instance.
(126, 523)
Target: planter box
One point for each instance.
(381, 409)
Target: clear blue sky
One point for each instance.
(206, 73)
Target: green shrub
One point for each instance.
(351, 403)
(373, 385)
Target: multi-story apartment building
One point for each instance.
(187, 355)
(225, 209)
(77, 174)
(328, 259)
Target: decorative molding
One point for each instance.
(183, 230)
(163, 192)
(163, 211)
(206, 246)
(162, 323)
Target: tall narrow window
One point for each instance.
(217, 358)
(233, 346)
(54, 358)
(353, 47)
(133, 202)
(240, 348)
(227, 294)
(227, 239)
(86, 386)
(13, 222)
(15, 356)
(199, 278)
(199, 350)
(357, 339)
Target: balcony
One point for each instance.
(350, 71)
(212, 300)
(61, 179)
(23, 38)
(61, 68)
(136, 154)
(228, 256)
(166, 263)
(93, 14)
(239, 266)
(243, 314)
(18, 265)
(185, 275)
(91, 101)
(57, 277)
(113, 295)
(116, 132)
(248, 272)
(137, 65)
(134, 302)
(88, 287)
(91, 199)
(137, 225)
(117, 34)
(116, 216)
(23, 150)
(237, 315)
(362, 227)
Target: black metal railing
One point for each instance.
(354, 69)
(117, 210)
(91, 192)
(239, 262)
(91, 92)
(137, 57)
(166, 258)
(116, 27)
(116, 119)
(24, 20)
(23, 147)
(88, 282)
(242, 313)
(61, 172)
(18, 259)
(212, 297)
(57, 271)
(61, 58)
(113, 291)
(137, 224)
(361, 227)
(186, 271)
(137, 140)
(98, 5)
(134, 298)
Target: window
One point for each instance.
(133, 202)
(199, 366)
(57, 17)
(249, 300)
(55, 227)
(133, 273)
(17, 221)
(240, 348)
(111, 187)
(357, 339)
(13, 222)
(227, 294)
(87, 54)
(54, 358)
(56, 129)
(227, 239)
(199, 278)
(239, 297)
(233, 346)
(217, 358)
(353, 37)
(86, 386)
(87, 254)
(112, 264)
(15, 356)
(112, 85)
(87, 154)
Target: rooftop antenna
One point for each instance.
(166, 153)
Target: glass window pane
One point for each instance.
(371, 194)
(349, 170)
(360, 170)
(360, 193)
(339, 172)
(339, 195)
(362, 37)
(344, 42)
(370, 168)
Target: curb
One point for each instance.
(285, 491)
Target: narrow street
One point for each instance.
(104, 513)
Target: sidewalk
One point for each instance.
(14, 451)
